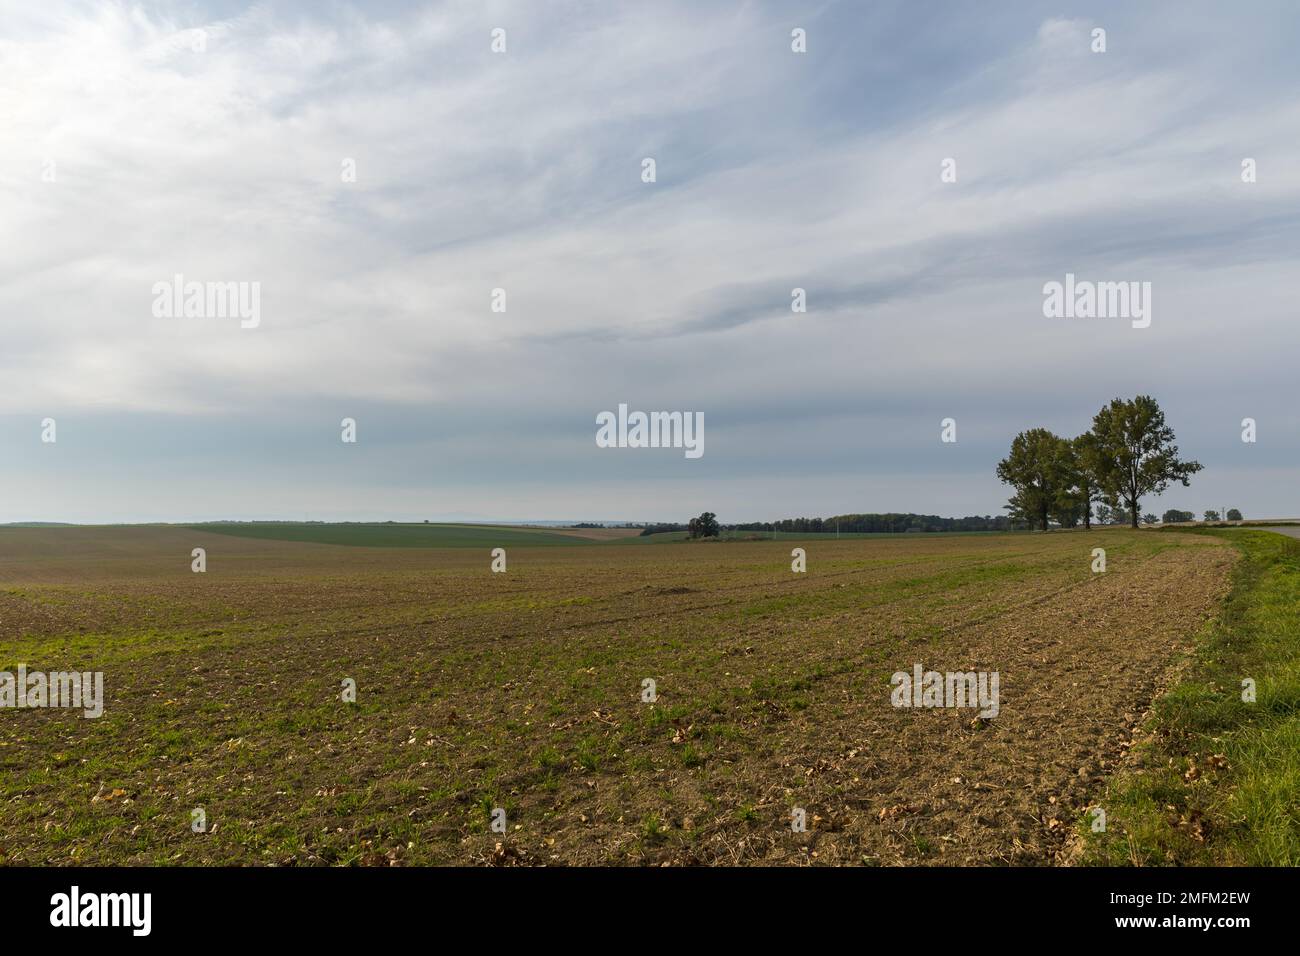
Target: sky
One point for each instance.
(378, 169)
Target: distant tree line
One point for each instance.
(1127, 454)
(886, 523)
(1174, 516)
(903, 522)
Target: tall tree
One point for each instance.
(1137, 452)
(1038, 469)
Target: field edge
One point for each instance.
(1216, 779)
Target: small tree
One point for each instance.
(1149, 519)
(1137, 454)
(705, 526)
(1105, 513)
(1211, 516)
(1234, 515)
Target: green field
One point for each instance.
(394, 535)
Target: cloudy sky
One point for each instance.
(211, 139)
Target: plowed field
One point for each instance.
(523, 691)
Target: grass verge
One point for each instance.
(1217, 781)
